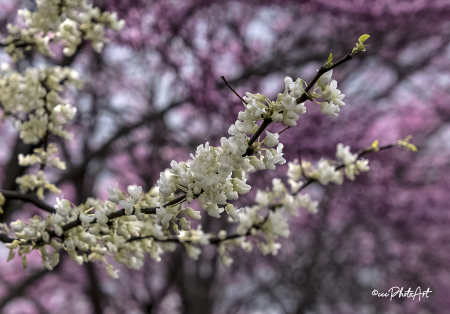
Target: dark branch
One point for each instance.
(5, 239)
(229, 86)
(304, 97)
(94, 290)
(286, 128)
(29, 199)
(264, 125)
(21, 287)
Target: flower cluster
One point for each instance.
(210, 173)
(36, 95)
(219, 173)
(328, 171)
(330, 93)
(41, 156)
(269, 216)
(35, 103)
(68, 22)
(38, 183)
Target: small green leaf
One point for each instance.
(412, 147)
(375, 144)
(363, 38)
(374, 147)
(407, 144)
(24, 261)
(329, 62)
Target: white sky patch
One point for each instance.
(174, 119)
(106, 126)
(117, 54)
(272, 85)
(259, 30)
(439, 142)
(164, 89)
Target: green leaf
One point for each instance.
(329, 62)
(363, 38)
(412, 147)
(374, 146)
(24, 261)
(407, 144)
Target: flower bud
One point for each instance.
(213, 210)
(185, 225)
(193, 214)
(232, 212)
(240, 186)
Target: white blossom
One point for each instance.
(271, 139)
(193, 214)
(127, 206)
(362, 165)
(343, 153)
(333, 94)
(274, 157)
(325, 80)
(185, 225)
(232, 212)
(329, 108)
(115, 195)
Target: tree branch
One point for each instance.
(304, 97)
(29, 199)
(94, 290)
(5, 239)
(116, 214)
(217, 240)
(20, 289)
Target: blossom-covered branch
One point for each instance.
(211, 180)
(304, 97)
(67, 22)
(274, 224)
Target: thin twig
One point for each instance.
(359, 154)
(17, 43)
(229, 86)
(264, 125)
(304, 97)
(286, 128)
